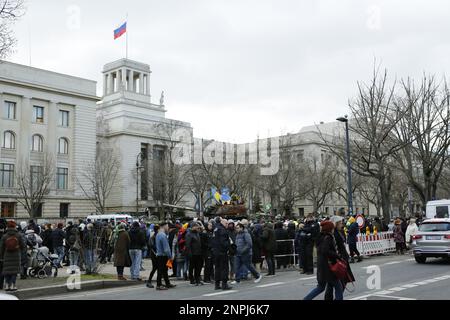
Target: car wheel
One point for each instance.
(420, 259)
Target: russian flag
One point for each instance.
(120, 31)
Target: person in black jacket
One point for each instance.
(137, 243)
(47, 237)
(339, 237)
(220, 248)
(307, 236)
(173, 231)
(207, 238)
(195, 254)
(269, 247)
(58, 236)
(281, 235)
(326, 254)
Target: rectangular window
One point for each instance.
(38, 211)
(36, 174)
(62, 178)
(6, 175)
(8, 210)
(64, 210)
(9, 110)
(63, 118)
(38, 114)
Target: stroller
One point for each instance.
(41, 263)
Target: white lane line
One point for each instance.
(309, 278)
(392, 297)
(270, 284)
(392, 262)
(397, 289)
(219, 293)
(384, 292)
(441, 278)
(411, 285)
(421, 283)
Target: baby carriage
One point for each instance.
(41, 263)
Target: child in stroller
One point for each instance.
(41, 263)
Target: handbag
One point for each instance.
(169, 264)
(339, 269)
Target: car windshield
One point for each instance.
(436, 226)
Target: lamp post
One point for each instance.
(349, 166)
(137, 181)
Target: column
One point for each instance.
(124, 79)
(105, 84)
(141, 83)
(50, 141)
(111, 83)
(147, 83)
(23, 138)
(131, 81)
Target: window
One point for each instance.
(38, 211)
(36, 174)
(63, 146)
(8, 209)
(9, 140)
(300, 156)
(62, 178)
(37, 143)
(38, 113)
(442, 212)
(9, 110)
(64, 210)
(434, 226)
(6, 175)
(63, 118)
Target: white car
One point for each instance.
(432, 240)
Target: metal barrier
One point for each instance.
(369, 245)
(293, 254)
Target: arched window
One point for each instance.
(63, 146)
(37, 143)
(9, 140)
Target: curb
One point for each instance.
(31, 293)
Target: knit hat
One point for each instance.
(327, 226)
(244, 222)
(23, 225)
(11, 224)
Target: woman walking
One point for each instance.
(11, 248)
(399, 236)
(326, 254)
(153, 257)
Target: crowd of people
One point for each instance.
(216, 251)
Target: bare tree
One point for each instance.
(34, 183)
(98, 178)
(10, 11)
(424, 130)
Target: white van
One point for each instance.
(108, 217)
(438, 209)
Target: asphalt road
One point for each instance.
(401, 278)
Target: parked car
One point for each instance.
(432, 240)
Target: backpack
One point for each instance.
(31, 240)
(12, 244)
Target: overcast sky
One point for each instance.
(238, 68)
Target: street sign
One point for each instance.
(360, 221)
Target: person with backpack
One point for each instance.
(244, 252)
(11, 249)
(74, 245)
(137, 242)
(33, 240)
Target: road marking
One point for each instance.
(393, 297)
(383, 292)
(270, 284)
(392, 262)
(219, 293)
(309, 278)
(421, 283)
(441, 278)
(411, 285)
(397, 289)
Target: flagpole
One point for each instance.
(126, 21)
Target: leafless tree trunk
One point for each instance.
(10, 11)
(100, 175)
(34, 184)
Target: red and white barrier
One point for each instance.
(368, 245)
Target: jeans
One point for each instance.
(136, 259)
(60, 252)
(182, 268)
(244, 261)
(10, 279)
(74, 257)
(89, 260)
(338, 290)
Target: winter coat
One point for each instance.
(47, 239)
(340, 244)
(89, 240)
(193, 244)
(137, 238)
(221, 241)
(244, 245)
(269, 243)
(309, 233)
(162, 245)
(398, 234)
(257, 244)
(291, 231)
(353, 231)
(326, 253)
(121, 248)
(282, 234)
(412, 230)
(204, 241)
(58, 236)
(11, 261)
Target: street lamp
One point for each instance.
(349, 165)
(137, 180)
